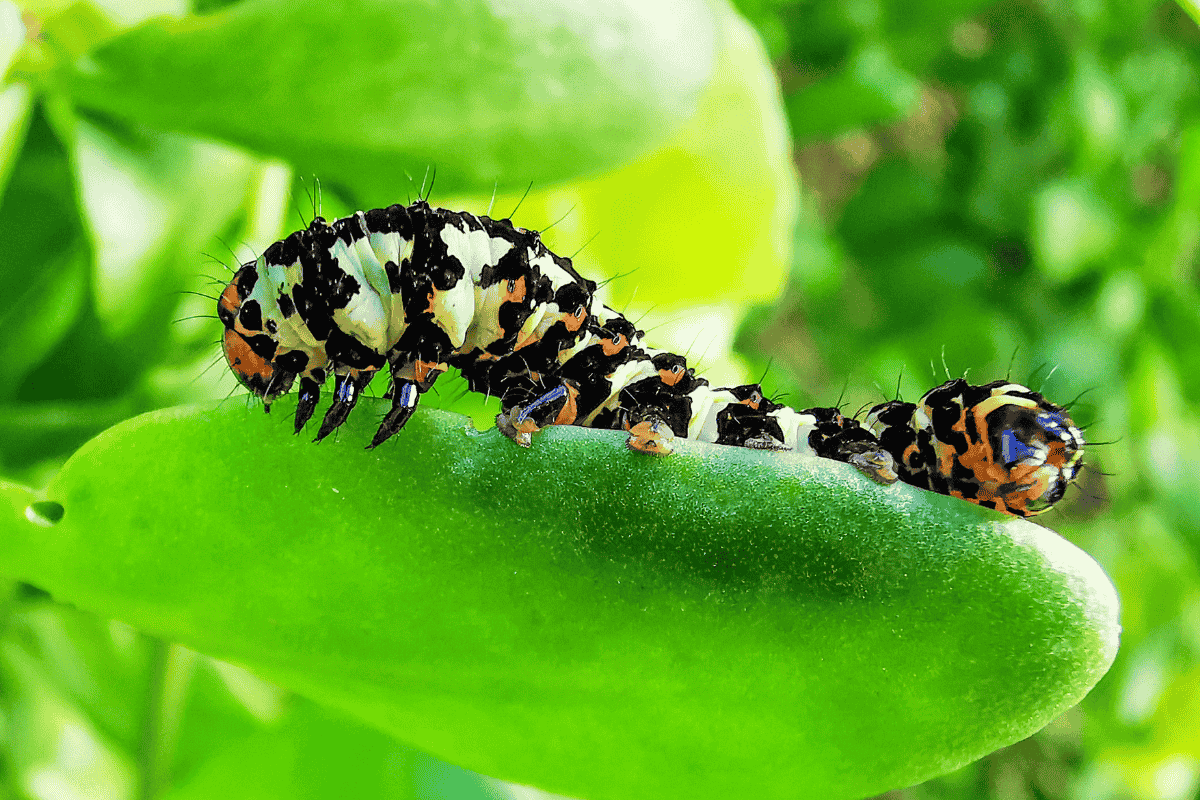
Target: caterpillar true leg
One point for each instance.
(405, 396)
(346, 389)
(310, 395)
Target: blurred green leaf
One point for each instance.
(362, 93)
(318, 754)
(869, 90)
(152, 202)
(43, 268)
(1072, 227)
(83, 691)
(100, 669)
(15, 105)
(30, 432)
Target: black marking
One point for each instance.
(292, 361)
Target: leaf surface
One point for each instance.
(595, 622)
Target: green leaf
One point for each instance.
(1192, 8)
(870, 89)
(361, 92)
(718, 623)
(43, 268)
(315, 754)
(15, 105)
(152, 202)
(33, 432)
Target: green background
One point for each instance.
(995, 189)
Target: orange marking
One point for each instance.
(244, 361)
(644, 439)
(532, 338)
(614, 345)
(517, 294)
(979, 459)
(573, 322)
(229, 298)
(528, 427)
(670, 376)
(421, 370)
(570, 409)
(960, 424)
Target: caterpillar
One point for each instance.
(417, 289)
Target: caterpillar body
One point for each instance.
(414, 289)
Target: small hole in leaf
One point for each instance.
(46, 513)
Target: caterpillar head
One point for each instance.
(249, 350)
(1002, 445)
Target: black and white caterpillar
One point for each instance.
(415, 289)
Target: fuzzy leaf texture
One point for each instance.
(595, 622)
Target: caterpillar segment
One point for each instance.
(414, 290)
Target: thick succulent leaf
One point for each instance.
(361, 92)
(598, 623)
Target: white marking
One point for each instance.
(584, 341)
(796, 428)
(390, 247)
(369, 258)
(485, 327)
(707, 403)
(363, 317)
(558, 276)
(472, 312)
(538, 322)
(454, 308)
(474, 249)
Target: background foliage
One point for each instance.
(1006, 187)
